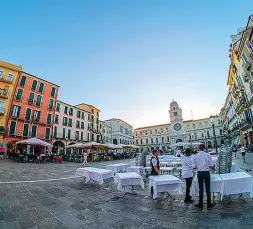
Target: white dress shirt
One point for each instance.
(202, 161)
(187, 167)
(243, 149)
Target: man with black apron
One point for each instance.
(155, 166)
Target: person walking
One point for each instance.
(85, 158)
(155, 166)
(187, 173)
(243, 151)
(235, 149)
(203, 162)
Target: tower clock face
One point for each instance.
(177, 127)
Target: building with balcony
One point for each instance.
(122, 132)
(178, 130)
(9, 74)
(94, 120)
(32, 110)
(71, 125)
(105, 132)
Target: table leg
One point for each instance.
(241, 198)
(214, 199)
(229, 199)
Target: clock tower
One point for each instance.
(176, 120)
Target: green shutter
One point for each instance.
(34, 85)
(41, 87)
(28, 114)
(47, 134)
(82, 115)
(23, 80)
(55, 131)
(63, 133)
(82, 136)
(31, 98)
(58, 107)
(69, 133)
(38, 100)
(12, 128)
(51, 104)
(34, 130)
(19, 94)
(25, 130)
(53, 92)
(49, 116)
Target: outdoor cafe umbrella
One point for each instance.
(180, 144)
(75, 146)
(33, 142)
(89, 145)
(113, 146)
(196, 143)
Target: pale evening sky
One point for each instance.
(129, 58)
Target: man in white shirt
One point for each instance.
(243, 150)
(155, 166)
(178, 153)
(203, 162)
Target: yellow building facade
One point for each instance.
(9, 75)
(94, 120)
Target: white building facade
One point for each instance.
(178, 130)
(122, 132)
(105, 132)
(71, 125)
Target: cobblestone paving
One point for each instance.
(70, 203)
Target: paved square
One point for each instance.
(48, 196)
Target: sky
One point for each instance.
(129, 58)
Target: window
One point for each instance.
(41, 87)
(100, 126)
(97, 120)
(146, 132)
(77, 124)
(221, 131)
(71, 111)
(245, 60)
(47, 134)
(141, 141)
(151, 140)
(77, 135)
(25, 130)
(38, 100)
(208, 135)
(10, 76)
(146, 141)
(69, 133)
(168, 139)
(28, 114)
(82, 125)
(49, 119)
(63, 133)
(121, 129)
(150, 131)
(55, 131)
(83, 115)
(136, 142)
(65, 110)
(53, 92)
(156, 131)
(65, 121)
(16, 111)
(19, 94)
(51, 104)
(88, 126)
(81, 136)
(56, 119)
(58, 106)
(175, 114)
(88, 117)
(36, 116)
(12, 128)
(70, 122)
(34, 131)
(88, 137)
(78, 114)
(200, 125)
(161, 130)
(193, 125)
(156, 139)
(34, 85)
(140, 132)
(167, 129)
(31, 98)
(22, 81)
(1, 73)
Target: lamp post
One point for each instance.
(215, 140)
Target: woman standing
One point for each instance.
(187, 174)
(243, 151)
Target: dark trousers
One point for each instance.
(204, 176)
(188, 182)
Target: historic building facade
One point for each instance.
(122, 132)
(71, 125)
(9, 74)
(178, 130)
(32, 109)
(105, 132)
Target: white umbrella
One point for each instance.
(135, 146)
(76, 146)
(181, 144)
(34, 141)
(113, 146)
(196, 143)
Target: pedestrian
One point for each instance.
(155, 166)
(187, 173)
(85, 158)
(243, 151)
(203, 162)
(235, 149)
(178, 153)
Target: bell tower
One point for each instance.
(175, 112)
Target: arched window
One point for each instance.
(206, 124)
(200, 125)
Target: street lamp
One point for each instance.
(215, 140)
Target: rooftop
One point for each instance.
(87, 105)
(117, 119)
(72, 106)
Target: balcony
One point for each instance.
(246, 77)
(6, 81)
(4, 92)
(245, 123)
(241, 106)
(236, 92)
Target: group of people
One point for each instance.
(202, 161)
(242, 148)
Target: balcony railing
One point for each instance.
(4, 92)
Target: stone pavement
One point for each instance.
(69, 203)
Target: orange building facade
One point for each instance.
(32, 110)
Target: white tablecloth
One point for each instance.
(165, 183)
(137, 169)
(121, 167)
(128, 179)
(132, 163)
(96, 174)
(216, 185)
(233, 168)
(236, 183)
